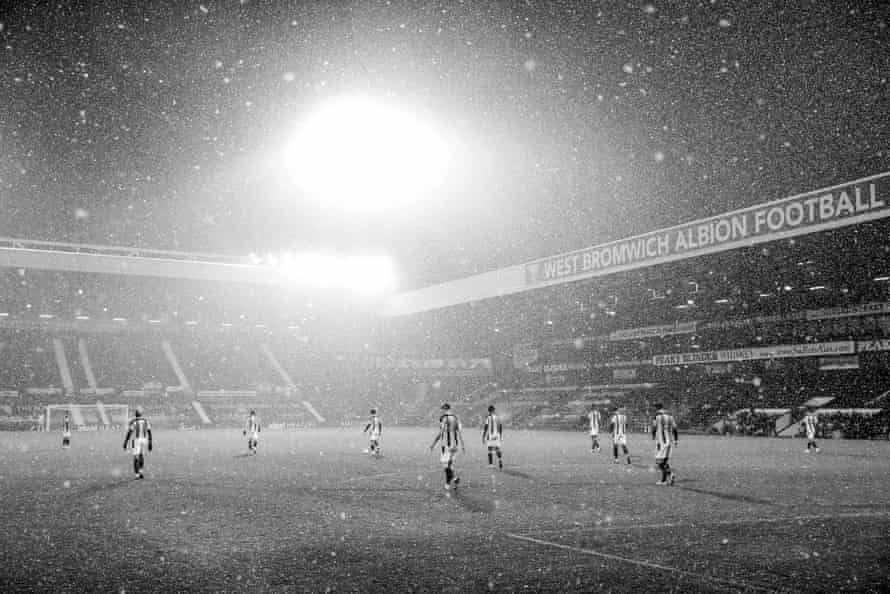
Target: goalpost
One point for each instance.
(86, 416)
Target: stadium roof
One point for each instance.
(151, 124)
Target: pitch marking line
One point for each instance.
(778, 520)
(381, 475)
(690, 574)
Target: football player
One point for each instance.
(664, 432)
(450, 436)
(375, 427)
(492, 437)
(618, 428)
(811, 423)
(66, 432)
(252, 430)
(593, 417)
(139, 431)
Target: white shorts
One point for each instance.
(620, 440)
(375, 436)
(493, 442)
(594, 433)
(662, 451)
(448, 455)
(140, 446)
(66, 435)
(254, 435)
(811, 435)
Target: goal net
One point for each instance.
(86, 416)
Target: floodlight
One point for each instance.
(355, 153)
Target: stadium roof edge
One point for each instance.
(840, 205)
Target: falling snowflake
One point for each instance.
(81, 214)
(289, 77)
(204, 9)
(628, 68)
(724, 23)
(530, 65)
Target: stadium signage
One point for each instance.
(866, 309)
(871, 346)
(455, 366)
(830, 208)
(650, 331)
(839, 363)
(843, 347)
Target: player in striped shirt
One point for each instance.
(66, 432)
(140, 432)
(492, 436)
(811, 423)
(618, 428)
(593, 418)
(376, 429)
(252, 430)
(450, 437)
(664, 432)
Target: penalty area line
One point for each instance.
(696, 576)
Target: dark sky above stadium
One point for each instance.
(147, 123)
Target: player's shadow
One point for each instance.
(103, 487)
(244, 455)
(728, 496)
(518, 474)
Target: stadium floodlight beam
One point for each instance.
(365, 275)
(355, 153)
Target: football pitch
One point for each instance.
(312, 513)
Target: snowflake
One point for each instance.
(724, 23)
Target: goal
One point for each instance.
(87, 416)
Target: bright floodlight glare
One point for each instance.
(365, 275)
(354, 153)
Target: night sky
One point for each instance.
(152, 123)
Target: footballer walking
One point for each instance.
(66, 432)
(252, 431)
(593, 418)
(492, 437)
(375, 426)
(811, 423)
(664, 432)
(139, 437)
(450, 437)
(618, 427)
